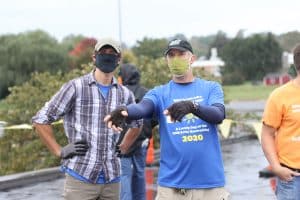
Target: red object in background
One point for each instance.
(149, 182)
(82, 46)
(285, 78)
(150, 194)
(273, 183)
(276, 79)
(150, 153)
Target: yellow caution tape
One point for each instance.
(225, 127)
(21, 126)
(27, 126)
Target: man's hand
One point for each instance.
(116, 118)
(284, 173)
(179, 109)
(78, 148)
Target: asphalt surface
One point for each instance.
(242, 161)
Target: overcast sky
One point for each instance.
(151, 18)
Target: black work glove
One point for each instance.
(117, 118)
(78, 148)
(179, 109)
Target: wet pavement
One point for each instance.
(242, 161)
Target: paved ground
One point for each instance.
(242, 162)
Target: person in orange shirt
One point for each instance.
(280, 137)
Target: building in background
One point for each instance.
(283, 76)
(212, 65)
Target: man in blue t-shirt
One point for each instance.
(188, 110)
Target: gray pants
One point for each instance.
(78, 190)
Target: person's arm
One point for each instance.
(143, 109)
(77, 148)
(269, 148)
(212, 114)
(129, 138)
(116, 118)
(45, 132)
(268, 145)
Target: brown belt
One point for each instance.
(293, 169)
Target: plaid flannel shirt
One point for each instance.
(83, 109)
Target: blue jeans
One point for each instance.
(288, 190)
(133, 186)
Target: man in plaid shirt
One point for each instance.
(89, 160)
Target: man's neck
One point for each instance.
(103, 78)
(186, 78)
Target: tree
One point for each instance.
(69, 42)
(26, 99)
(152, 48)
(82, 52)
(201, 44)
(22, 54)
(289, 40)
(219, 42)
(252, 57)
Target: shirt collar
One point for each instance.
(92, 80)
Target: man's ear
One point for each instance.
(119, 59)
(94, 58)
(193, 59)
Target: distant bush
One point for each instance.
(22, 150)
(25, 100)
(233, 78)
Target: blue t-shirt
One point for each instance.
(190, 150)
(101, 179)
(104, 89)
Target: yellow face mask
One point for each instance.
(178, 66)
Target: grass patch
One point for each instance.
(247, 91)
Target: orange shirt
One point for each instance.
(282, 112)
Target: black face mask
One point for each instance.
(106, 62)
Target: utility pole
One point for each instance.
(120, 21)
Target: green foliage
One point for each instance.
(25, 100)
(219, 42)
(153, 71)
(69, 42)
(201, 45)
(22, 150)
(82, 52)
(22, 54)
(128, 57)
(153, 48)
(253, 57)
(234, 78)
(203, 74)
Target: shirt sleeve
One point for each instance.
(272, 115)
(137, 122)
(216, 95)
(56, 108)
